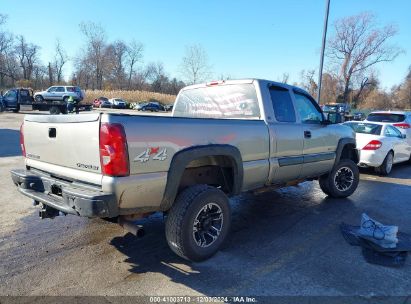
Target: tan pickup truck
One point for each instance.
(224, 138)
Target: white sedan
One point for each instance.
(380, 145)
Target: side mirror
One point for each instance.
(326, 122)
(403, 136)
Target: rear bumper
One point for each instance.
(66, 197)
(370, 158)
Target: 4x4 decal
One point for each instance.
(159, 154)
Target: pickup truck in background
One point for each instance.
(224, 138)
(13, 98)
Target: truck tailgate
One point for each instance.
(64, 141)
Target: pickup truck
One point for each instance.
(13, 98)
(223, 138)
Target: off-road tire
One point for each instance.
(385, 168)
(181, 217)
(331, 184)
(323, 182)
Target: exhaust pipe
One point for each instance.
(131, 227)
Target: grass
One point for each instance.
(129, 96)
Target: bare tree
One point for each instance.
(60, 59)
(358, 44)
(95, 49)
(194, 66)
(284, 78)
(308, 82)
(117, 52)
(27, 56)
(135, 54)
(6, 43)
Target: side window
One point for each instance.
(52, 89)
(11, 94)
(392, 132)
(282, 104)
(309, 113)
(60, 89)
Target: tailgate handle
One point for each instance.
(52, 132)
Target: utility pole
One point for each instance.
(320, 72)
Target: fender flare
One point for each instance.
(340, 147)
(182, 158)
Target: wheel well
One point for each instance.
(216, 170)
(349, 152)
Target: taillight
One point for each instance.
(373, 145)
(23, 148)
(113, 150)
(402, 125)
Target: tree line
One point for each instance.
(100, 64)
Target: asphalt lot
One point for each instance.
(283, 242)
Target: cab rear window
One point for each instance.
(233, 101)
(386, 117)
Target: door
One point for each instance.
(286, 138)
(399, 144)
(316, 151)
(50, 93)
(59, 93)
(10, 99)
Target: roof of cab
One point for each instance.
(246, 80)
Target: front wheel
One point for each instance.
(198, 223)
(39, 98)
(342, 181)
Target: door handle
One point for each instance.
(307, 134)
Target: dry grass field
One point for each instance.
(129, 96)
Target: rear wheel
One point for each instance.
(386, 166)
(342, 181)
(198, 223)
(54, 110)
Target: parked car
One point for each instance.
(358, 116)
(152, 107)
(380, 145)
(168, 107)
(125, 167)
(59, 93)
(399, 119)
(137, 106)
(118, 103)
(101, 102)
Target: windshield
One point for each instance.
(234, 101)
(386, 117)
(365, 128)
